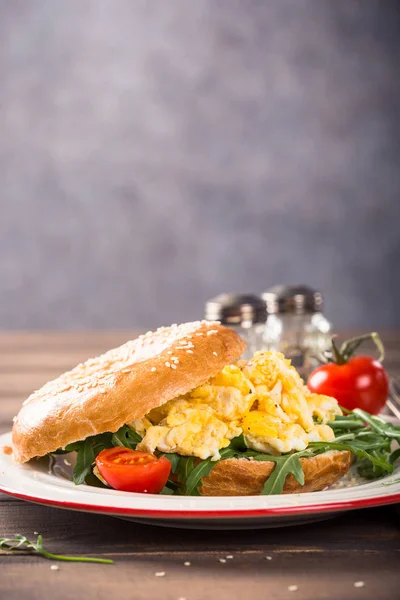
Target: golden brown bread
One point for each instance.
(122, 385)
(243, 477)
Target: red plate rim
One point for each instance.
(214, 514)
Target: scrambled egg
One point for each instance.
(282, 419)
(264, 398)
(201, 422)
(324, 408)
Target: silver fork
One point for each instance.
(393, 402)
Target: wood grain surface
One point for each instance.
(323, 560)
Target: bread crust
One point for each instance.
(243, 477)
(122, 385)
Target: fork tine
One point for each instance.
(393, 408)
(393, 402)
(395, 385)
(394, 390)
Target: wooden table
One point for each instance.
(323, 560)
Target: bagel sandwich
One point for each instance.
(228, 427)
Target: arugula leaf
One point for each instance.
(239, 443)
(88, 449)
(102, 440)
(190, 464)
(86, 454)
(94, 481)
(378, 425)
(359, 452)
(167, 491)
(229, 453)
(73, 447)
(370, 470)
(346, 423)
(202, 470)
(255, 455)
(395, 455)
(125, 436)
(84, 461)
(284, 466)
(173, 459)
(184, 467)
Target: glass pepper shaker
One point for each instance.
(244, 313)
(296, 325)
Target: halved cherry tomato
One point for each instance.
(133, 471)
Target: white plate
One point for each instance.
(33, 482)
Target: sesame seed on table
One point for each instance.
(354, 555)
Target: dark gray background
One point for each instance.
(153, 154)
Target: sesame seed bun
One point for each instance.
(122, 385)
(242, 477)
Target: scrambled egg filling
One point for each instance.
(265, 399)
(282, 418)
(201, 422)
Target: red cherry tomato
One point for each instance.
(361, 382)
(133, 471)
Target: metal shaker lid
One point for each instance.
(295, 299)
(233, 309)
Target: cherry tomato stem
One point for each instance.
(342, 355)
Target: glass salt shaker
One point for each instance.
(296, 325)
(244, 313)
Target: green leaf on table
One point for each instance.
(20, 543)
